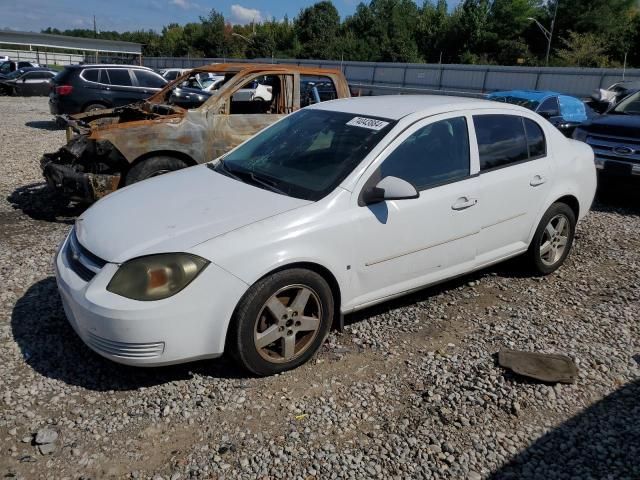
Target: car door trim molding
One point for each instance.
(513, 217)
(376, 262)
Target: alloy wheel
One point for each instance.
(554, 240)
(288, 323)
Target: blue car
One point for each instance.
(563, 111)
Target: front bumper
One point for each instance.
(617, 168)
(74, 184)
(191, 325)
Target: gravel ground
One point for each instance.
(411, 389)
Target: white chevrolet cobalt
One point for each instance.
(334, 208)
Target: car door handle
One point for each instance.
(537, 180)
(464, 202)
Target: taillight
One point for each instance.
(64, 90)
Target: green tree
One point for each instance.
(584, 50)
(316, 28)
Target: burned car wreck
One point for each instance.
(109, 149)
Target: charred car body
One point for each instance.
(108, 149)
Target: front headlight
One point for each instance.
(156, 276)
(580, 134)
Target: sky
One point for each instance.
(123, 15)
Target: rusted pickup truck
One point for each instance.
(108, 149)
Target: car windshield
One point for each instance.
(307, 154)
(629, 106)
(523, 102)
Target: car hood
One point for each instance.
(614, 124)
(174, 212)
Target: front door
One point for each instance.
(241, 117)
(404, 244)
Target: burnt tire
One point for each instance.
(152, 167)
(553, 239)
(304, 307)
(93, 107)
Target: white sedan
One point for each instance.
(334, 208)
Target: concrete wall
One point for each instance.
(378, 78)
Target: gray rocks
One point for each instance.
(46, 436)
(410, 390)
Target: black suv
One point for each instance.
(615, 138)
(81, 88)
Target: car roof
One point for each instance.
(395, 107)
(36, 69)
(105, 65)
(257, 67)
(535, 95)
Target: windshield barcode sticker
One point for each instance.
(370, 123)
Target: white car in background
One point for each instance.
(253, 91)
(334, 208)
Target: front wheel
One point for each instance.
(281, 321)
(152, 167)
(553, 239)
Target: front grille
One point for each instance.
(604, 148)
(83, 263)
(125, 350)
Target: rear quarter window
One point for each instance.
(91, 74)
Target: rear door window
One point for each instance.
(118, 76)
(535, 139)
(501, 140)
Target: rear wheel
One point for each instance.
(553, 239)
(93, 107)
(152, 167)
(281, 321)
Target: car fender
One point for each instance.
(311, 236)
(574, 176)
(136, 139)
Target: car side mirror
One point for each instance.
(390, 188)
(548, 114)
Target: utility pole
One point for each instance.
(553, 23)
(548, 34)
(95, 30)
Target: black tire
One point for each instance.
(537, 260)
(152, 167)
(249, 316)
(94, 106)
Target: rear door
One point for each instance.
(515, 174)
